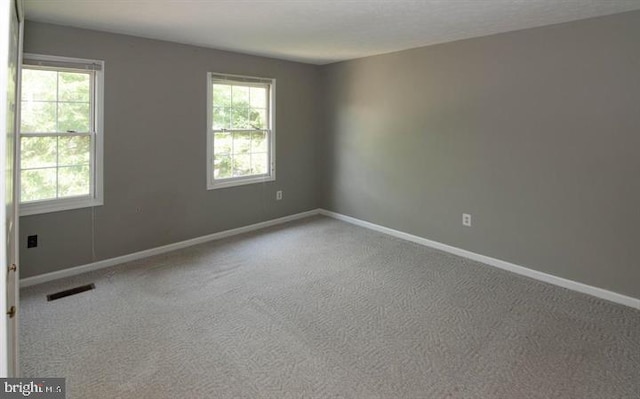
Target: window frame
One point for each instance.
(96, 195)
(212, 183)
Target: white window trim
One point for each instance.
(97, 199)
(240, 181)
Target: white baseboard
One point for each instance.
(548, 278)
(26, 282)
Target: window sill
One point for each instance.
(239, 182)
(36, 208)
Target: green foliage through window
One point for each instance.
(56, 134)
(241, 130)
(55, 102)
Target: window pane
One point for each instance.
(37, 152)
(74, 150)
(222, 143)
(259, 164)
(39, 85)
(242, 165)
(221, 118)
(74, 117)
(38, 117)
(74, 87)
(241, 143)
(221, 95)
(240, 116)
(258, 118)
(37, 184)
(259, 142)
(258, 97)
(222, 167)
(240, 95)
(74, 181)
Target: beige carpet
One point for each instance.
(322, 309)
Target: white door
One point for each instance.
(10, 50)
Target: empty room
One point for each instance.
(320, 199)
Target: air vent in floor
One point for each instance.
(72, 291)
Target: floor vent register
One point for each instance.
(69, 292)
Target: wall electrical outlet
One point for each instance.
(466, 219)
(279, 195)
(32, 241)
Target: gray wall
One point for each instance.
(155, 152)
(535, 133)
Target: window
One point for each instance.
(60, 134)
(240, 134)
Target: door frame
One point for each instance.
(9, 366)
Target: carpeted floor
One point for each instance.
(322, 309)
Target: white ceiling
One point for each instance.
(316, 31)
